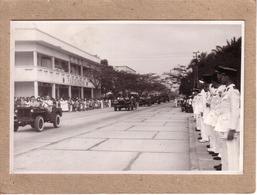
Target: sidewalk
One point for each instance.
(200, 159)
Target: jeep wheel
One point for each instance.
(57, 121)
(115, 108)
(16, 127)
(39, 123)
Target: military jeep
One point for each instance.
(123, 102)
(145, 100)
(36, 117)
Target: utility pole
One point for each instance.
(196, 79)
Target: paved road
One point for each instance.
(151, 138)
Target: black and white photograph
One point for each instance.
(127, 96)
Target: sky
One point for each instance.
(145, 46)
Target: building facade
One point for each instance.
(44, 65)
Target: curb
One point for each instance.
(194, 162)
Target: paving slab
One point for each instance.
(24, 147)
(150, 122)
(168, 162)
(135, 119)
(119, 134)
(72, 161)
(180, 123)
(156, 128)
(172, 135)
(117, 127)
(75, 144)
(144, 145)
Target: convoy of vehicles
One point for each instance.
(36, 117)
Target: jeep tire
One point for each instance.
(57, 121)
(39, 123)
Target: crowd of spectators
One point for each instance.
(69, 104)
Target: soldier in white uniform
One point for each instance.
(196, 109)
(204, 107)
(228, 121)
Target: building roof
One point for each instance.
(37, 35)
(124, 68)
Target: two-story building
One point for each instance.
(45, 65)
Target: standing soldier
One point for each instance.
(204, 108)
(228, 122)
(195, 104)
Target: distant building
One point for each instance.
(45, 65)
(124, 69)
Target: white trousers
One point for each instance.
(198, 121)
(230, 153)
(218, 143)
(233, 148)
(211, 135)
(203, 130)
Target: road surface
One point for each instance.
(154, 138)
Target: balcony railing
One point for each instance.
(42, 74)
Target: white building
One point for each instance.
(125, 69)
(44, 65)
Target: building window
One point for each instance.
(61, 65)
(44, 61)
(75, 69)
(23, 58)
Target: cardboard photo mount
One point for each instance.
(222, 10)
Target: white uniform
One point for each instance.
(229, 120)
(209, 119)
(202, 109)
(197, 112)
(217, 108)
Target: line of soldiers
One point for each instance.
(217, 113)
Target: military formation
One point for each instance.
(216, 110)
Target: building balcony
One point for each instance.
(42, 74)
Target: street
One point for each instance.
(154, 138)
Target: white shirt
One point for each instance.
(230, 110)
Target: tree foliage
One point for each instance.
(110, 80)
(228, 55)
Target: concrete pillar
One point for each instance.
(69, 67)
(53, 64)
(58, 92)
(92, 92)
(36, 89)
(81, 69)
(34, 58)
(69, 91)
(53, 91)
(82, 93)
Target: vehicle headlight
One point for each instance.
(31, 110)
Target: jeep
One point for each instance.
(123, 102)
(36, 117)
